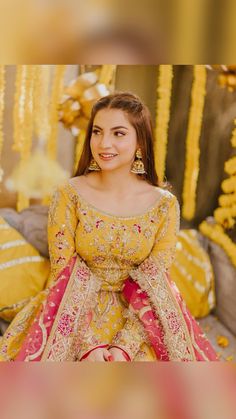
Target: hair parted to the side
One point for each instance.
(139, 116)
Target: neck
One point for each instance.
(118, 181)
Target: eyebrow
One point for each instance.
(120, 126)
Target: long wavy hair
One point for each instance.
(139, 116)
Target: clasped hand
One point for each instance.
(106, 355)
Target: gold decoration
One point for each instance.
(79, 148)
(192, 272)
(36, 175)
(57, 89)
(2, 97)
(107, 75)
(23, 120)
(78, 99)
(19, 108)
(41, 102)
(192, 142)
(94, 166)
(138, 166)
(162, 118)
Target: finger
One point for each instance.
(99, 356)
(107, 355)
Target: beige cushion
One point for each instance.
(225, 284)
(214, 328)
(31, 223)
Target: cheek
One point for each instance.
(127, 147)
(93, 144)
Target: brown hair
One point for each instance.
(139, 116)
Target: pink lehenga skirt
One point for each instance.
(51, 328)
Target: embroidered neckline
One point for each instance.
(149, 209)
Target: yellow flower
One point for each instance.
(222, 341)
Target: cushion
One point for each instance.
(225, 282)
(215, 330)
(23, 271)
(193, 274)
(31, 223)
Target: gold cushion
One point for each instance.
(193, 274)
(23, 271)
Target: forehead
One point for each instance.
(112, 117)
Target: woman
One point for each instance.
(112, 236)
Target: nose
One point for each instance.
(105, 141)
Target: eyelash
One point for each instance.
(96, 131)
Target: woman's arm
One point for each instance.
(62, 223)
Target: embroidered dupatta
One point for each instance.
(51, 327)
(62, 319)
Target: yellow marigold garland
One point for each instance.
(26, 126)
(19, 107)
(107, 74)
(225, 214)
(192, 141)
(233, 138)
(23, 119)
(2, 97)
(165, 77)
(57, 89)
(217, 234)
(41, 101)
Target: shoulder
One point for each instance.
(170, 198)
(66, 191)
(169, 203)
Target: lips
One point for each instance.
(107, 154)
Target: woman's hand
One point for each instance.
(118, 354)
(98, 354)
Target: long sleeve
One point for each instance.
(133, 334)
(62, 223)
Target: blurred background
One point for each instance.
(117, 31)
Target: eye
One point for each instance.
(95, 131)
(119, 133)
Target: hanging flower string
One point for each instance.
(26, 128)
(2, 97)
(225, 214)
(23, 124)
(192, 142)
(19, 108)
(41, 102)
(216, 233)
(56, 94)
(107, 74)
(162, 118)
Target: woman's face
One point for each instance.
(113, 141)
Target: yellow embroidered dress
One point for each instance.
(92, 253)
(111, 245)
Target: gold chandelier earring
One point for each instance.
(138, 166)
(94, 166)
